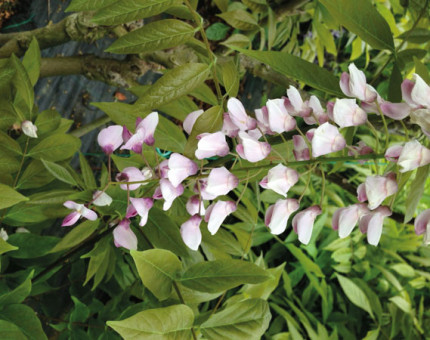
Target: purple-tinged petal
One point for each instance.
(254, 150)
(180, 167)
(72, 205)
(239, 116)
(71, 219)
(346, 113)
(277, 215)
(300, 148)
(212, 144)
(110, 138)
(393, 153)
(221, 181)
(190, 120)
(413, 156)
(303, 223)
(170, 192)
(421, 92)
(228, 127)
(279, 119)
(327, 139)
(88, 214)
(124, 237)
(396, 111)
(142, 206)
(147, 127)
(195, 205)
(280, 179)
(422, 222)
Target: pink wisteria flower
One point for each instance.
(303, 223)
(354, 85)
(180, 167)
(345, 219)
(295, 104)
(190, 232)
(413, 155)
(124, 237)
(280, 179)
(29, 129)
(422, 225)
(200, 188)
(238, 115)
(346, 113)
(141, 207)
(190, 120)
(376, 189)
(327, 139)
(277, 215)
(393, 153)
(144, 134)
(211, 144)
(132, 174)
(221, 182)
(79, 210)
(372, 224)
(262, 116)
(360, 149)
(195, 206)
(317, 113)
(300, 148)
(169, 192)
(110, 138)
(228, 127)
(217, 213)
(279, 119)
(251, 149)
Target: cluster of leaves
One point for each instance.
(245, 283)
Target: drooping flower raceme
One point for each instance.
(79, 210)
(280, 179)
(303, 223)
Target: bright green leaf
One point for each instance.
(240, 19)
(416, 191)
(31, 61)
(59, 172)
(55, 148)
(76, 236)
(9, 196)
(25, 318)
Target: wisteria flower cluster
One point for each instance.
(250, 137)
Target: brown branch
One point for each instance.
(77, 27)
(111, 71)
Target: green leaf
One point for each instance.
(205, 94)
(80, 313)
(88, 5)
(31, 245)
(157, 35)
(173, 322)
(306, 262)
(25, 318)
(18, 294)
(100, 259)
(87, 173)
(416, 191)
(416, 36)
(9, 196)
(34, 176)
(59, 172)
(5, 247)
(10, 331)
(9, 143)
(8, 163)
(47, 121)
(362, 18)
(121, 113)
(394, 90)
(237, 40)
(209, 121)
(157, 268)
(402, 303)
(355, 294)
(172, 85)
(169, 136)
(6, 75)
(31, 61)
(180, 108)
(247, 319)
(164, 233)
(297, 68)
(220, 275)
(24, 97)
(217, 31)
(230, 78)
(264, 290)
(55, 148)
(123, 11)
(240, 19)
(76, 236)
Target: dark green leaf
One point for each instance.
(18, 294)
(9, 196)
(205, 94)
(31, 61)
(123, 11)
(417, 36)
(55, 148)
(394, 90)
(10, 331)
(362, 18)
(5, 247)
(31, 245)
(8, 163)
(240, 19)
(157, 268)
(247, 319)
(47, 121)
(220, 275)
(24, 97)
(9, 143)
(87, 173)
(297, 68)
(26, 320)
(172, 322)
(217, 31)
(76, 236)
(157, 35)
(34, 176)
(88, 5)
(59, 172)
(169, 136)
